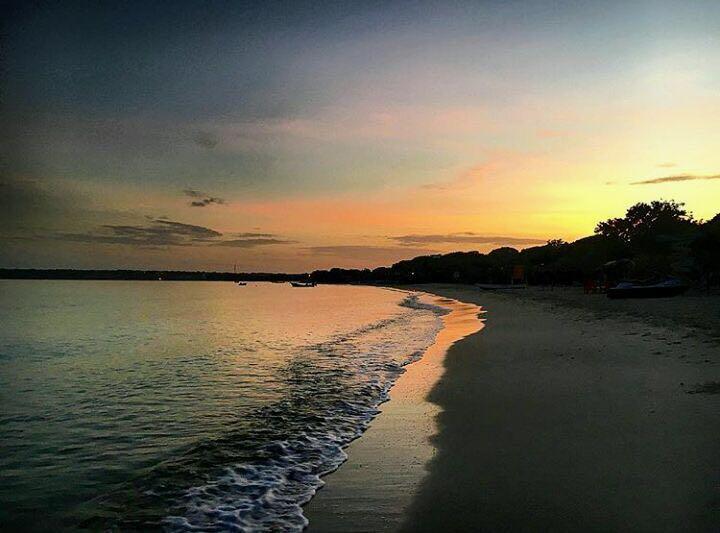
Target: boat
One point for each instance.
(302, 283)
(647, 289)
(241, 283)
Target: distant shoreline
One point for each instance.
(143, 275)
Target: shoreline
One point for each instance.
(385, 465)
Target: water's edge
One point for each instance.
(386, 464)
(271, 491)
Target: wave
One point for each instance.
(335, 390)
(413, 301)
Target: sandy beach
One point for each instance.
(564, 413)
(374, 488)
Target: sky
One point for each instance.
(290, 136)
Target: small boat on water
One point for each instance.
(650, 289)
(241, 283)
(302, 283)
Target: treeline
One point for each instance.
(652, 240)
(144, 275)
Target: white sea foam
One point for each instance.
(268, 492)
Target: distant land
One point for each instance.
(143, 275)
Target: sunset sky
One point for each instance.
(286, 136)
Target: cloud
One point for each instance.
(496, 163)
(202, 199)
(251, 242)
(465, 179)
(679, 177)
(162, 232)
(666, 165)
(25, 203)
(159, 232)
(39, 208)
(467, 237)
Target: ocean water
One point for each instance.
(189, 406)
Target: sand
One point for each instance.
(373, 489)
(562, 414)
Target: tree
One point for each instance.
(643, 220)
(706, 249)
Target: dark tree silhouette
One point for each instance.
(642, 219)
(706, 251)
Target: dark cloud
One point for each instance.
(159, 232)
(163, 232)
(679, 177)
(202, 199)
(251, 242)
(23, 202)
(467, 237)
(35, 207)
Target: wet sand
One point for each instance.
(373, 489)
(557, 416)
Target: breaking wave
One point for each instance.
(282, 451)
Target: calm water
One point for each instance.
(188, 406)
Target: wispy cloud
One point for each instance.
(201, 199)
(678, 177)
(666, 165)
(159, 232)
(465, 179)
(162, 232)
(467, 237)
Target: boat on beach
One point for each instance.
(302, 283)
(649, 289)
(241, 283)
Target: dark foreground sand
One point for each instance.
(563, 416)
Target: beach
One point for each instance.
(565, 412)
(374, 488)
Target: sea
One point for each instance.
(189, 406)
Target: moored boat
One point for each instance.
(302, 283)
(654, 289)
